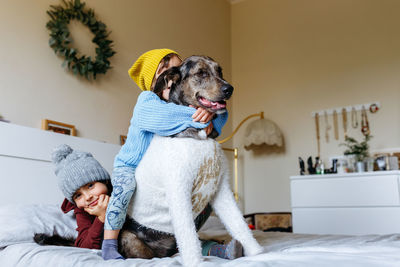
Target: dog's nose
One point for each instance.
(227, 89)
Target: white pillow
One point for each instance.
(19, 223)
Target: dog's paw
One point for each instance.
(202, 135)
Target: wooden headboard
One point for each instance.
(26, 172)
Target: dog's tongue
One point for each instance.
(205, 102)
(211, 104)
(218, 105)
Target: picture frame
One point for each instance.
(58, 127)
(122, 139)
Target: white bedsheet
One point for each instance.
(282, 249)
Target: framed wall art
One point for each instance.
(58, 127)
(122, 139)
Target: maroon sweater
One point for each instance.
(90, 228)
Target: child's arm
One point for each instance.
(89, 233)
(218, 121)
(162, 118)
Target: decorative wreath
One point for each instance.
(60, 39)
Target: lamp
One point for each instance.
(263, 131)
(258, 132)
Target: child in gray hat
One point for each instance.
(86, 186)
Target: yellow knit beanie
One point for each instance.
(145, 67)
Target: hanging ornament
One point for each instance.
(344, 120)
(317, 131)
(373, 108)
(364, 122)
(354, 119)
(327, 127)
(335, 125)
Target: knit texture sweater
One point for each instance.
(90, 228)
(176, 179)
(152, 115)
(188, 166)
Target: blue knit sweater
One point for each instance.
(152, 115)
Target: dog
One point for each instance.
(179, 178)
(198, 82)
(190, 172)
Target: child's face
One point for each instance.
(174, 61)
(87, 195)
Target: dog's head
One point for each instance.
(198, 82)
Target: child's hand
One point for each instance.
(209, 128)
(202, 115)
(100, 208)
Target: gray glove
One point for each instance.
(109, 250)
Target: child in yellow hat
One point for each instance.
(152, 115)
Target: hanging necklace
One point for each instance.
(364, 122)
(327, 127)
(317, 129)
(354, 120)
(344, 118)
(335, 125)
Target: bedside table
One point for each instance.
(351, 203)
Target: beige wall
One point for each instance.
(33, 85)
(290, 58)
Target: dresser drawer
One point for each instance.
(346, 192)
(346, 221)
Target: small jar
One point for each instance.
(369, 162)
(342, 166)
(319, 169)
(351, 163)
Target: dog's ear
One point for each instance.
(186, 67)
(173, 74)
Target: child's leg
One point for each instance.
(206, 246)
(211, 248)
(231, 251)
(124, 185)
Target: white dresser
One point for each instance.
(352, 203)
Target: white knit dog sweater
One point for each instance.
(176, 179)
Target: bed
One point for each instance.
(30, 203)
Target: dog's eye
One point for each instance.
(202, 74)
(219, 71)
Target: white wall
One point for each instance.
(290, 58)
(34, 86)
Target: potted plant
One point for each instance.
(360, 150)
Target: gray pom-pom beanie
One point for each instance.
(76, 168)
